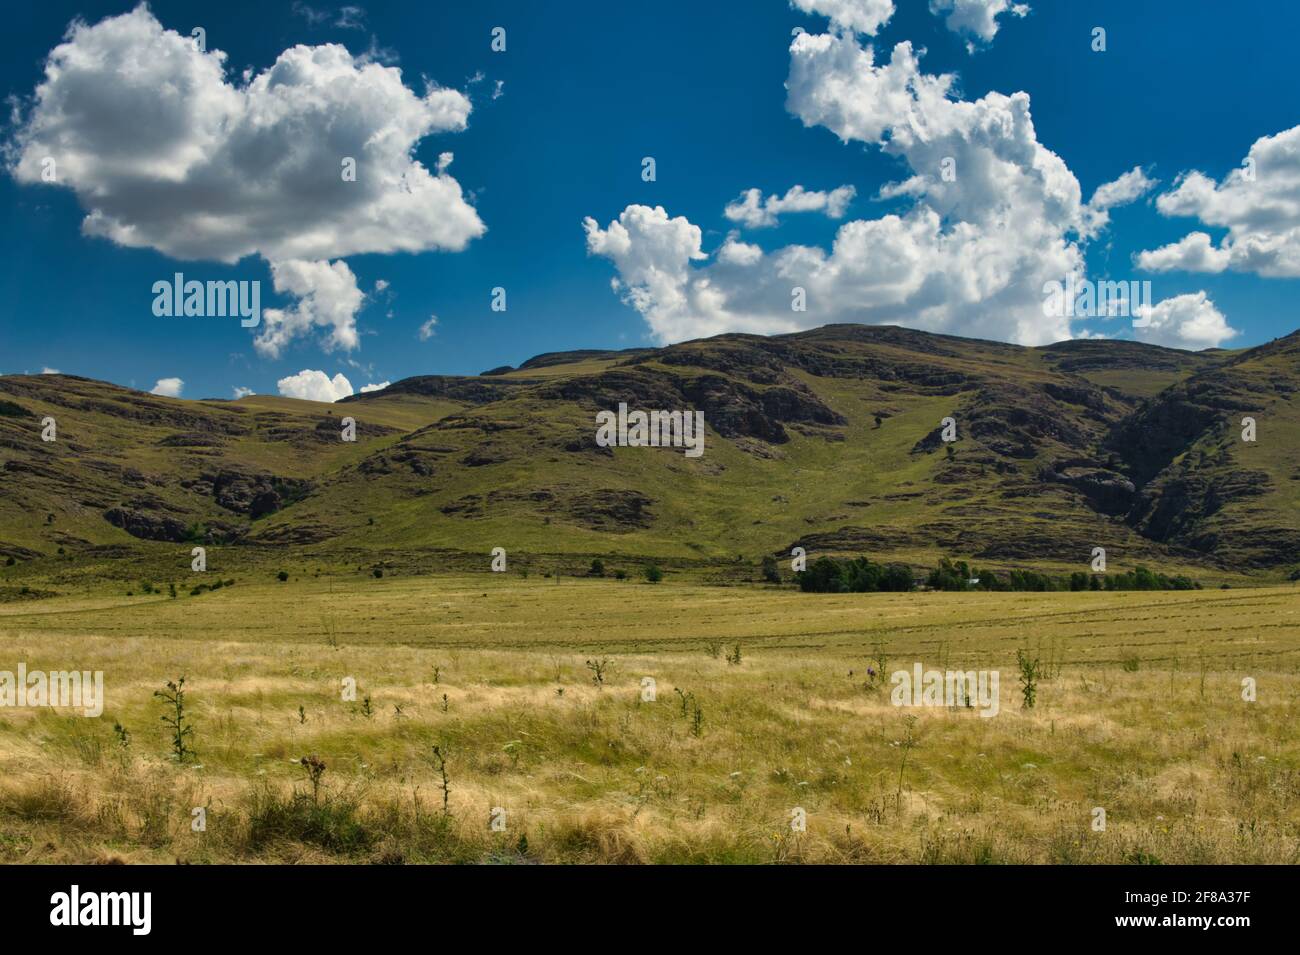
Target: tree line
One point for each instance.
(844, 575)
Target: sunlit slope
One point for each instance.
(828, 439)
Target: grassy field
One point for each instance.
(1139, 712)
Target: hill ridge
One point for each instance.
(830, 438)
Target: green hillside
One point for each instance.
(828, 439)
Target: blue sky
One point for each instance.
(586, 90)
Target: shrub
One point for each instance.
(379, 572)
(282, 576)
(771, 571)
(329, 823)
(653, 574)
(597, 568)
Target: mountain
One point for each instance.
(829, 439)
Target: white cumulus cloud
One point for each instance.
(994, 215)
(861, 16)
(1194, 252)
(312, 385)
(1128, 188)
(328, 297)
(1184, 321)
(752, 210)
(168, 387)
(1259, 206)
(164, 151)
(976, 18)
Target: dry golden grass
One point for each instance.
(1141, 714)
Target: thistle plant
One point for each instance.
(173, 695)
(597, 668)
(440, 763)
(1029, 674)
(314, 766)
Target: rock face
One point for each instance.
(307, 532)
(252, 495)
(1076, 394)
(612, 509)
(148, 525)
(731, 408)
(1173, 508)
(1158, 432)
(1107, 491)
(192, 439)
(247, 494)
(609, 509)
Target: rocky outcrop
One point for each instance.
(617, 510)
(731, 408)
(1173, 508)
(1107, 491)
(250, 494)
(148, 525)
